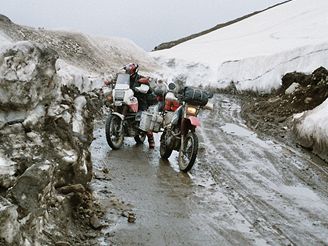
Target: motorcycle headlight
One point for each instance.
(191, 111)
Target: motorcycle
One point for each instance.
(180, 123)
(123, 120)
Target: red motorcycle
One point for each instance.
(180, 123)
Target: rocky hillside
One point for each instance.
(283, 110)
(93, 54)
(49, 84)
(45, 132)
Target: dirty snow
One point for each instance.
(78, 124)
(312, 128)
(121, 51)
(4, 39)
(6, 166)
(72, 75)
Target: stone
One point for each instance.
(292, 88)
(76, 188)
(307, 100)
(9, 225)
(31, 186)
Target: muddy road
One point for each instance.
(243, 190)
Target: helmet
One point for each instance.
(131, 68)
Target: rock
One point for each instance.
(291, 78)
(9, 225)
(32, 186)
(7, 181)
(95, 222)
(105, 170)
(131, 217)
(77, 188)
(307, 100)
(5, 19)
(292, 88)
(27, 72)
(62, 243)
(39, 109)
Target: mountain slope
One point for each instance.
(170, 44)
(101, 55)
(255, 52)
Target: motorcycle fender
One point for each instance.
(194, 121)
(119, 115)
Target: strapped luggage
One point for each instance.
(195, 96)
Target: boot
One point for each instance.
(151, 140)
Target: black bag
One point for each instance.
(195, 96)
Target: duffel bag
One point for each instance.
(195, 96)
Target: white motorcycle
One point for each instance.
(124, 119)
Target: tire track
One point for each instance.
(261, 179)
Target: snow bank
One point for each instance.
(257, 51)
(84, 80)
(311, 127)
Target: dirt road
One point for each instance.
(243, 190)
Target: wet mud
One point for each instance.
(245, 189)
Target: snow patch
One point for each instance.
(304, 197)
(7, 167)
(311, 127)
(4, 39)
(78, 125)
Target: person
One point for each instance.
(160, 91)
(144, 100)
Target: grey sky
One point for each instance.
(146, 22)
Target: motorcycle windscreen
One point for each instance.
(123, 81)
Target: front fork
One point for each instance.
(122, 116)
(185, 127)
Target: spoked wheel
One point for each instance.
(114, 131)
(188, 152)
(140, 138)
(164, 150)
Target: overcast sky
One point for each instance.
(146, 22)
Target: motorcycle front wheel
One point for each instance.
(188, 152)
(114, 131)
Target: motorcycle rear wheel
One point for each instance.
(188, 152)
(164, 150)
(114, 135)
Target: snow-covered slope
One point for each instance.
(257, 51)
